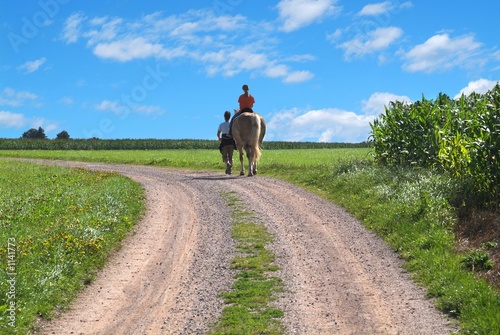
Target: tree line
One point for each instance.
(39, 134)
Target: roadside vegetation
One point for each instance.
(460, 137)
(57, 228)
(447, 151)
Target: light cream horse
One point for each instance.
(248, 131)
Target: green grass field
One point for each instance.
(197, 159)
(411, 209)
(57, 227)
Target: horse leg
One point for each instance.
(249, 151)
(254, 163)
(242, 169)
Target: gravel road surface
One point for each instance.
(339, 278)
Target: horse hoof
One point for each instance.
(242, 173)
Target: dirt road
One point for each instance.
(340, 279)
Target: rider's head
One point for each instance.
(227, 115)
(245, 88)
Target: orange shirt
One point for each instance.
(246, 101)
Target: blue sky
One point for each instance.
(320, 70)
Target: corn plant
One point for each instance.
(459, 136)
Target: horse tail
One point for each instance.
(255, 137)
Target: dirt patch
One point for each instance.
(340, 279)
(480, 230)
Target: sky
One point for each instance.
(319, 70)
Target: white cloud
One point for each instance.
(496, 55)
(375, 40)
(72, 28)
(440, 53)
(233, 62)
(104, 30)
(325, 125)
(329, 124)
(32, 66)
(376, 8)
(224, 45)
(128, 49)
(17, 120)
(47, 125)
(375, 105)
(480, 86)
(10, 97)
(124, 109)
(12, 120)
(335, 36)
(111, 106)
(277, 71)
(384, 8)
(327, 136)
(296, 14)
(298, 76)
(301, 58)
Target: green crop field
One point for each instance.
(461, 137)
(197, 159)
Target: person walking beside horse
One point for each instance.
(227, 144)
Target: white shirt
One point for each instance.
(224, 128)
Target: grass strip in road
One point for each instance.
(248, 309)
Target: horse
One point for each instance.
(248, 131)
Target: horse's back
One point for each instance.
(244, 124)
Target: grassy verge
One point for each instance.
(57, 227)
(248, 310)
(411, 210)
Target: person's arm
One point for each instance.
(218, 134)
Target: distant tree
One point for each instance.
(63, 135)
(35, 134)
